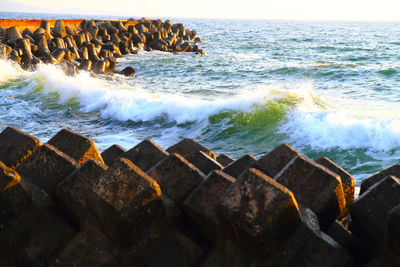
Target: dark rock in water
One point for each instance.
(15, 203)
(58, 55)
(75, 145)
(272, 163)
(83, 53)
(185, 46)
(203, 162)
(112, 153)
(370, 212)
(16, 146)
(171, 248)
(394, 229)
(3, 52)
(14, 56)
(69, 31)
(59, 29)
(146, 154)
(92, 53)
(348, 181)
(258, 214)
(100, 66)
(379, 176)
(112, 63)
(3, 35)
(47, 58)
(41, 41)
(312, 247)
(126, 202)
(45, 25)
(188, 146)
(8, 177)
(224, 160)
(128, 71)
(46, 236)
(315, 187)
(13, 34)
(46, 167)
(88, 248)
(343, 236)
(177, 177)
(72, 191)
(93, 30)
(85, 64)
(235, 168)
(201, 204)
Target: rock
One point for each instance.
(85, 64)
(370, 212)
(112, 153)
(394, 229)
(258, 214)
(126, 202)
(47, 235)
(185, 46)
(224, 160)
(88, 248)
(320, 250)
(71, 192)
(198, 40)
(128, 71)
(92, 53)
(14, 204)
(100, 66)
(173, 248)
(203, 162)
(146, 154)
(177, 177)
(13, 34)
(3, 52)
(46, 167)
(75, 145)
(16, 146)
(238, 166)
(25, 45)
(315, 187)
(343, 236)
(8, 177)
(59, 29)
(379, 176)
(45, 25)
(272, 163)
(93, 30)
(188, 146)
(201, 204)
(58, 55)
(348, 181)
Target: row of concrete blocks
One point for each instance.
(95, 45)
(65, 204)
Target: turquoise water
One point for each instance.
(326, 88)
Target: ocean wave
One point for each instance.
(10, 70)
(125, 102)
(329, 129)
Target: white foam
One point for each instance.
(344, 129)
(10, 70)
(124, 102)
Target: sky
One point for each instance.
(370, 10)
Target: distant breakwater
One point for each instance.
(64, 203)
(91, 45)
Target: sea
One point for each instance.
(326, 88)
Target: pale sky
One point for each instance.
(371, 10)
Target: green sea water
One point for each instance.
(326, 88)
